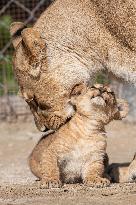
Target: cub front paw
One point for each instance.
(96, 181)
(50, 184)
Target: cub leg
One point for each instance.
(48, 170)
(94, 174)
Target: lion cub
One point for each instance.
(77, 151)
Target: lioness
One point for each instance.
(70, 42)
(77, 151)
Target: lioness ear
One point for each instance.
(15, 31)
(123, 108)
(33, 41)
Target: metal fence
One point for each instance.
(26, 11)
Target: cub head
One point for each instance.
(99, 103)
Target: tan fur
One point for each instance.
(77, 151)
(67, 46)
(125, 172)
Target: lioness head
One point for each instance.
(99, 103)
(43, 79)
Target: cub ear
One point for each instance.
(15, 30)
(134, 158)
(33, 41)
(77, 90)
(123, 108)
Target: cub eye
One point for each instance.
(78, 90)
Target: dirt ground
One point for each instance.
(18, 185)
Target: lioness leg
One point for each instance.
(123, 172)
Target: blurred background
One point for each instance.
(12, 107)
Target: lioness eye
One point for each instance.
(44, 106)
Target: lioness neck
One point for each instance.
(76, 28)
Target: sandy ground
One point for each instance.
(18, 185)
